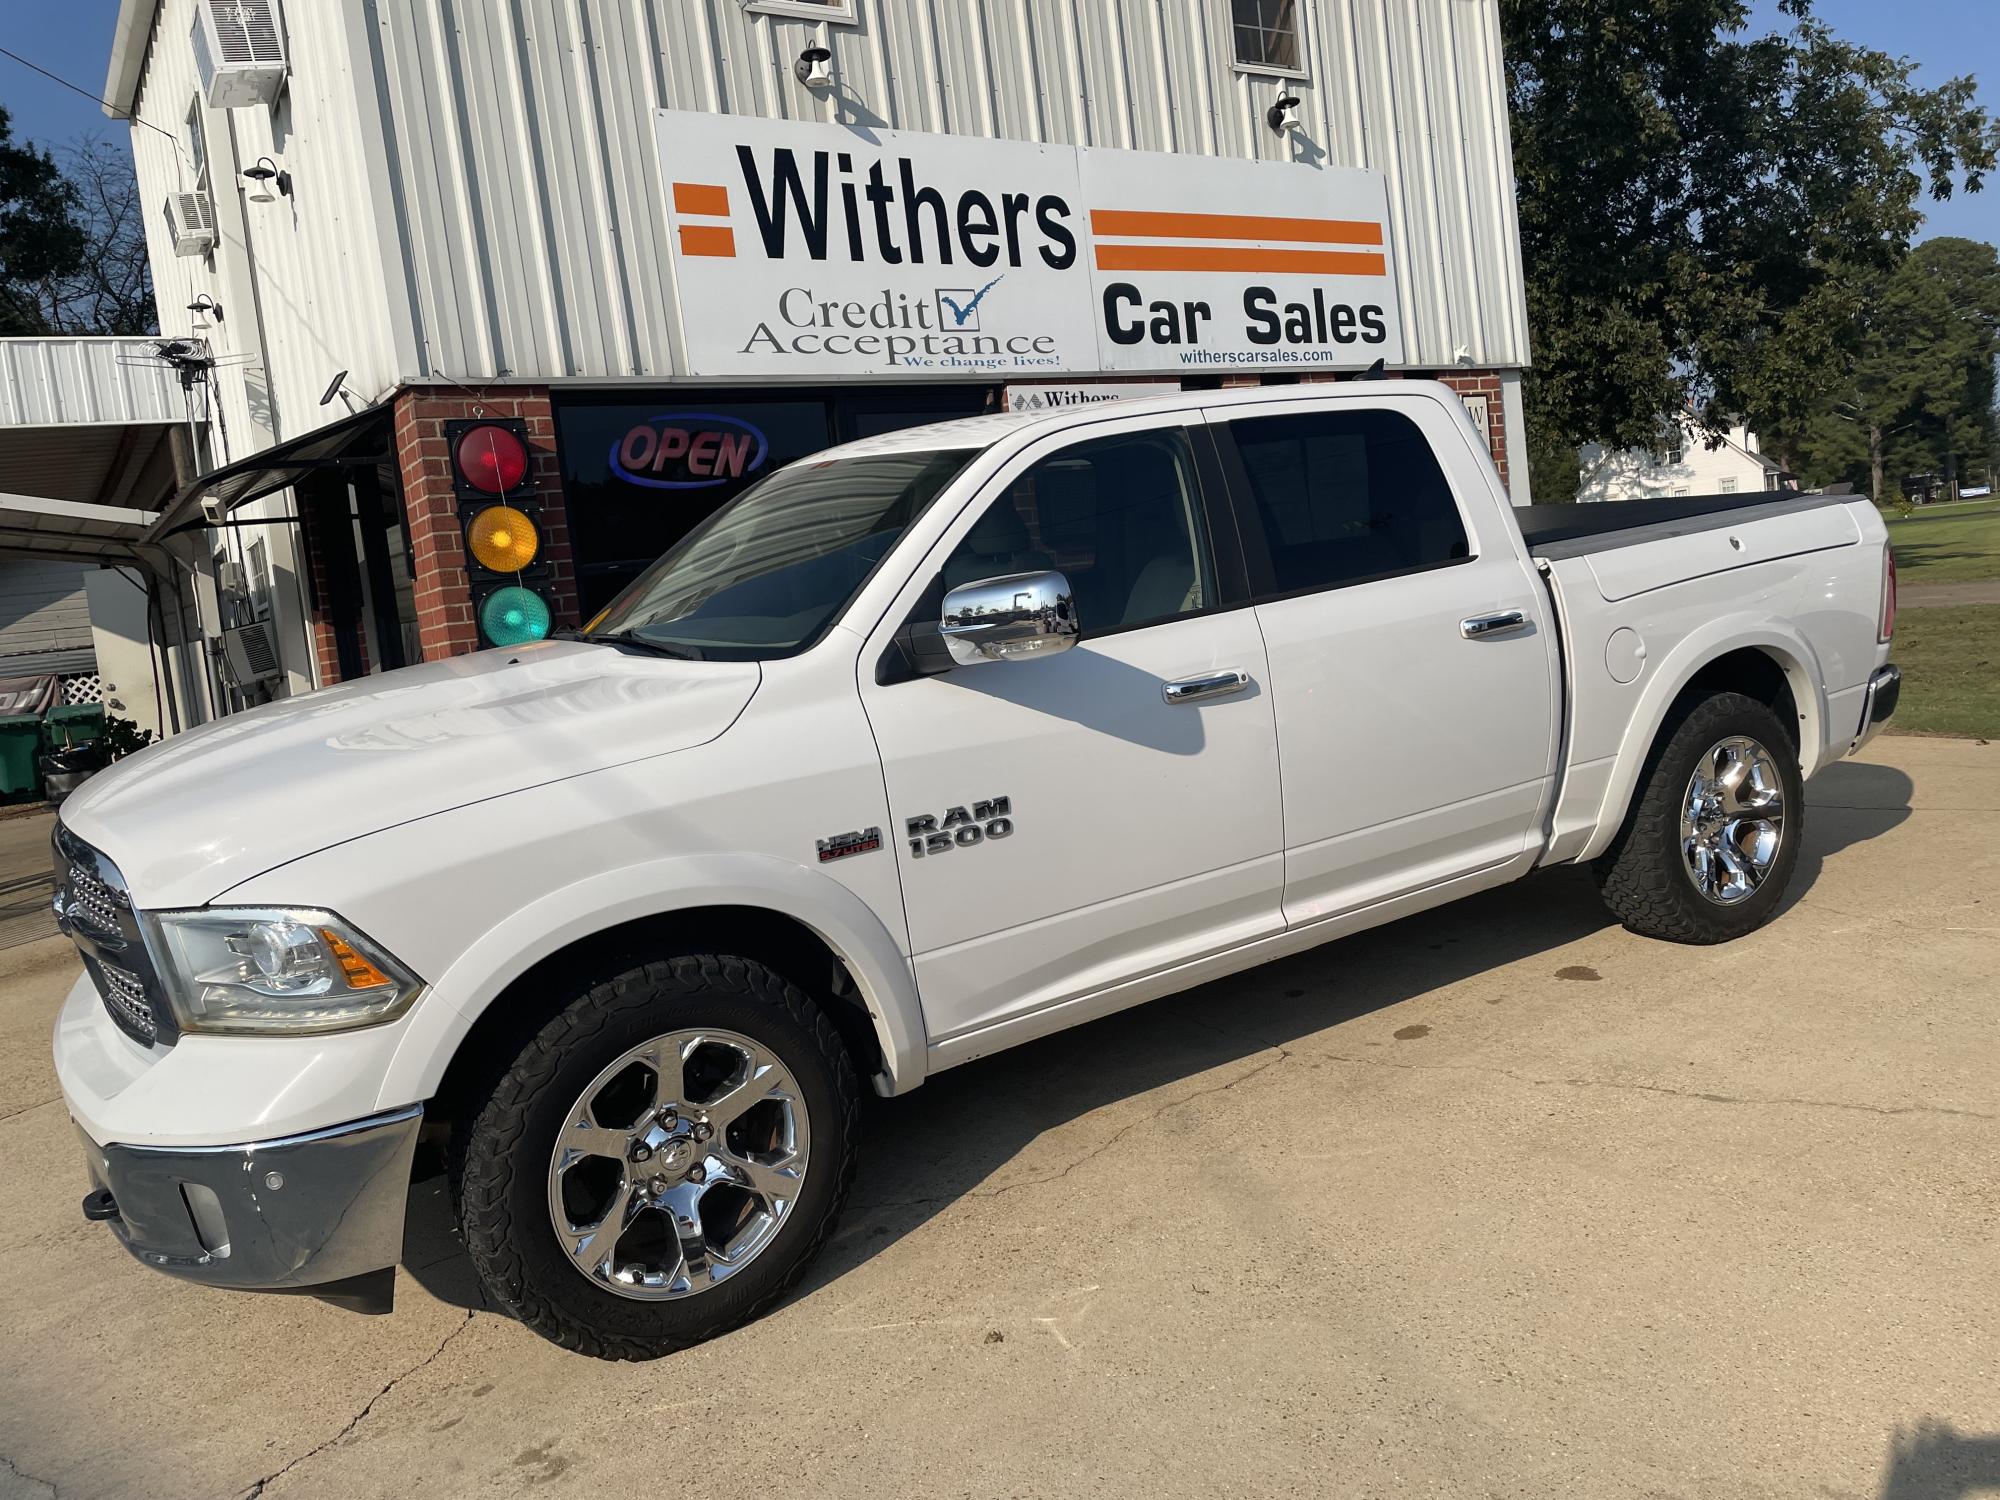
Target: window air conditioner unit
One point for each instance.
(190, 223)
(250, 654)
(239, 52)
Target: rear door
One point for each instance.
(1410, 646)
(1072, 820)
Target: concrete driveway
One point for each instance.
(1497, 1201)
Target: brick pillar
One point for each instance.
(1485, 383)
(328, 546)
(441, 585)
(326, 654)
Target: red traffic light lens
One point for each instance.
(491, 459)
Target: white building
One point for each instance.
(398, 221)
(1689, 462)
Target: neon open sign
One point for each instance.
(688, 451)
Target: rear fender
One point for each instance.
(1709, 642)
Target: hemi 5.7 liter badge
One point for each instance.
(863, 841)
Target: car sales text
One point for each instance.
(899, 327)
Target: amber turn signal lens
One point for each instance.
(503, 539)
(356, 970)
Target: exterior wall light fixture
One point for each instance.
(265, 173)
(1283, 115)
(814, 68)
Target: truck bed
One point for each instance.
(1555, 531)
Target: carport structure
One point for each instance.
(95, 436)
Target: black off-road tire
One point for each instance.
(1642, 876)
(500, 1166)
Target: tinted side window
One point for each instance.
(1347, 495)
(1120, 517)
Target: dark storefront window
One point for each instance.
(639, 474)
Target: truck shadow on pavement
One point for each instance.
(949, 1139)
(1935, 1462)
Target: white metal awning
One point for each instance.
(88, 433)
(35, 527)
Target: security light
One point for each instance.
(202, 307)
(1283, 116)
(813, 68)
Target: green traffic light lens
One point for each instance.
(514, 616)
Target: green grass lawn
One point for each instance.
(1949, 544)
(1951, 670)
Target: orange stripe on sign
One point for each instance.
(708, 239)
(1229, 258)
(1141, 224)
(700, 198)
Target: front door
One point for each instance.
(1062, 822)
(1412, 655)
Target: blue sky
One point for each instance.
(1945, 37)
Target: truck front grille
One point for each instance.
(125, 998)
(93, 904)
(95, 909)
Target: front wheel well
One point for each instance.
(783, 943)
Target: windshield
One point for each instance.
(767, 574)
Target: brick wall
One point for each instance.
(1487, 384)
(326, 651)
(443, 590)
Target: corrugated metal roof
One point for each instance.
(46, 382)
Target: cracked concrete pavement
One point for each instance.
(1498, 1200)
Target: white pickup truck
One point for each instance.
(925, 746)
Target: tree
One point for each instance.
(1914, 389)
(108, 289)
(39, 233)
(1702, 213)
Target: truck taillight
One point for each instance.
(505, 561)
(1888, 593)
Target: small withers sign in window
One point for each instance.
(1267, 35)
(1344, 497)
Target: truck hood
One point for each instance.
(188, 819)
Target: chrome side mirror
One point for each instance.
(1005, 619)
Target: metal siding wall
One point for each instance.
(525, 165)
(44, 382)
(326, 295)
(42, 608)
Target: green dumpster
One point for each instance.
(20, 753)
(73, 723)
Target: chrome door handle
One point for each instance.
(1212, 685)
(1480, 627)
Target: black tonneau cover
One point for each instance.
(1554, 531)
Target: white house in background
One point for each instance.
(1687, 466)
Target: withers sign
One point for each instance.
(806, 250)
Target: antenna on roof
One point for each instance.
(1376, 371)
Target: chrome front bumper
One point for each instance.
(320, 1213)
(1879, 705)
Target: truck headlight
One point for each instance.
(259, 969)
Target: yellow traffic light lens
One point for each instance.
(503, 539)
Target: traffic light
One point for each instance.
(490, 463)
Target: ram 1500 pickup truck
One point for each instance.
(925, 746)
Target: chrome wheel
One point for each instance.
(678, 1164)
(1732, 820)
